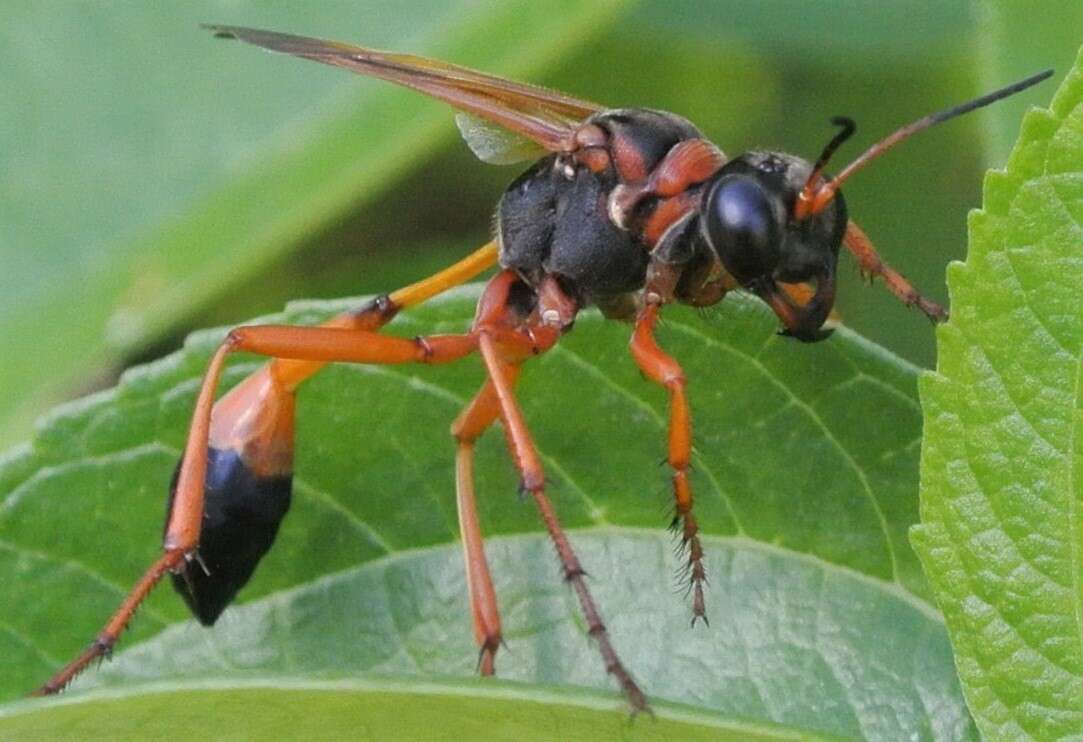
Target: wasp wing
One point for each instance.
(495, 144)
(543, 116)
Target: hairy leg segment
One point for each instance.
(662, 369)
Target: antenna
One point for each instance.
(812, 199)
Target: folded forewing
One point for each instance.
(544, 116)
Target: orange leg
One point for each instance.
(475, 420)
(103, 644)
(858, 243)
(186, 516)
(533, 481)
(381, 310)
(296, 350)
(662, 369)
(255, 418)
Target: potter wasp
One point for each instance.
(627, 210)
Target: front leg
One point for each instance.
(872, 265)
(663, 369)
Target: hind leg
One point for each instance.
(247, 438)
(475, 420)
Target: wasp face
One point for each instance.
(747, 219)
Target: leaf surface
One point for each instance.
(1001, 507)
(805, 470)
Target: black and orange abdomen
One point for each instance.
(247, 492)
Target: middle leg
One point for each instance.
(528, 463)
(662, 369)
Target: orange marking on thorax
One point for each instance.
(628, 159)
(596, 159)
(665, 215)
(673, 181)
(689, 162)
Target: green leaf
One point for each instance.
(1001, 536)
(369, 711)
(805, 469)
(148, 167)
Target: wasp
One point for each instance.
(627, 210)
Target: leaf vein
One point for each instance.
(21, 638)
(447, 395)
(80, 567)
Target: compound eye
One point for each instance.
(743, 227)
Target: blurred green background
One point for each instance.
(154, 180)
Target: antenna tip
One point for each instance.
(219, 32)
(1036, 78)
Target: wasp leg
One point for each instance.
(179, 544)
(662, 369)
(184, 525)
(381, 310)
(533, 481)
(243, 450)
(249, 473)
(103, 644)
(858, 243)
(475, 420)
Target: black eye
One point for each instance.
(743, 227)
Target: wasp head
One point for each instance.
(748, 219)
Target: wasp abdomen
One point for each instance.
(242, 512)
(246, 491)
